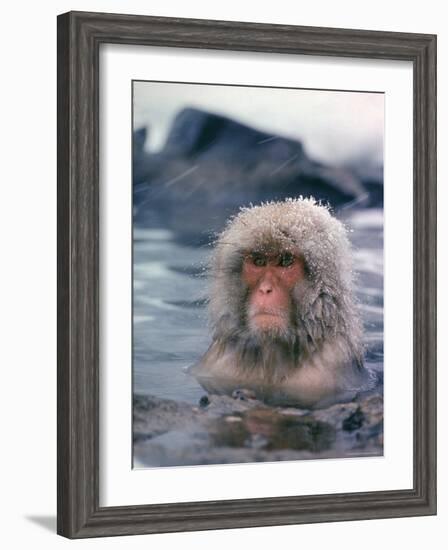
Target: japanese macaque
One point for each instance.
(282, 310)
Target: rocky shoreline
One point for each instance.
(239, 429)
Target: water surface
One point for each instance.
(170, 323)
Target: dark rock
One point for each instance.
(204, 401)
(228, 430)
(140, 137)
(211, 165)
(243, 394)
(354, 421)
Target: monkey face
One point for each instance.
(270, 278)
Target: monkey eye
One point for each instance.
(286, 259)
(258, 260)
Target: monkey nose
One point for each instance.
(265, 288)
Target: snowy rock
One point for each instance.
(211, 165)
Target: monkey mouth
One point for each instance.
(267, 311)
(267, 320)
(266, 314)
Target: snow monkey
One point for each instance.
(281, 306)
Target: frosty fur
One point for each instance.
(320, 357)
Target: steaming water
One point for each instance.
(170, 325)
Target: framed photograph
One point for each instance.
(246, 274)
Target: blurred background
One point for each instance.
(200, 152)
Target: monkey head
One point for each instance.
(281, 273)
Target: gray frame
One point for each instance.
(79, 38)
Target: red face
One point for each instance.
(270, 279)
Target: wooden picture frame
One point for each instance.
(79, 38)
